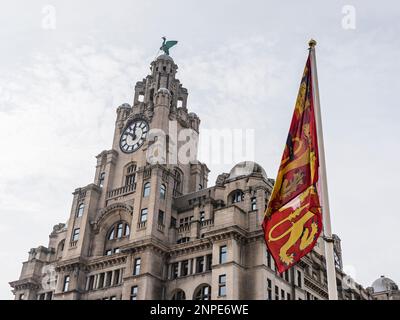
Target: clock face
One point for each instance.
(134, 136)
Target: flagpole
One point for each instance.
(330, 262)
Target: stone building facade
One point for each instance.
(149, 230)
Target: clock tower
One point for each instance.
(150, 227)
(137, 180)
(130, 173)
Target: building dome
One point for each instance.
(125, 105)
(247, 168)
(165, 57)
(384, 284)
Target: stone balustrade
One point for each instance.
(122, 191)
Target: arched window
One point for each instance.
(177, 191)
(146, 189)
(163, 191)
(79, 211)
(101, 179)
(118, 230)
(130, 174)
(179, 295)
(61, 245)
(237, 196)
(202, 293)
(60, 248)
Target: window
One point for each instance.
(146, 189)
(161, 217)
(299, 278)
(184, 268)
(130, 175)
(179, 295)
(151, 97)
(143, 215)
(134, 292)
(113, 298)
(222, 285)
(66, 284)
(75, 234)
(286, 274)
(21, 296)
(136, 268)
(79, 212)
(49, 295)
(185, 221)
(183, 240)
(179, 103)
(101, 281)
(222, 254)
(276, 293)
(174, 270)
(173, 222)
(268, 259)
(108, 279)
(253, 203)
(200, 187)
(118, 230)
(41, 296)
(288, 296)
(177, 184)
(163, 191)
(91, 282)
(199, 264)
(282, 294)
(269, 289)
(116, 276)
(208, 262)
(101, 179)
(108, 252)
(237, 196)
(202, 216)
(203, 293)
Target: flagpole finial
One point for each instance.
(312, 43)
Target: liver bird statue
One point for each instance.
(166, 45)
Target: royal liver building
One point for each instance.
(154, 229)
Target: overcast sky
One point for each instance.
(65, 66)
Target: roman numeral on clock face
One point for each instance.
(134, 136)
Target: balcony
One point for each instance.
(142, 225)
(184, 231)
(184, 228)
(206, 223)
(160, 227)
(73, 244)
(120, 192)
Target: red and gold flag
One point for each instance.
(293, 221)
